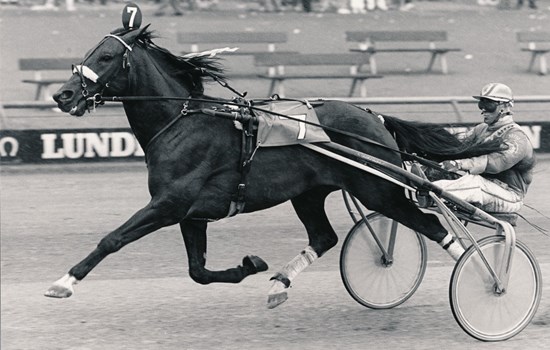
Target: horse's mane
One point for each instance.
(194, 70)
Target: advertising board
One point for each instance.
(116, 144)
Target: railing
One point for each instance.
(35, 105)
(49, 137)
(454, 101)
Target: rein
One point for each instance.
(237, 109)
(85, 72)
(236, 116)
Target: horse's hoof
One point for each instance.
(58, 291)
(255, 263)
(62, 288)
(274, 300)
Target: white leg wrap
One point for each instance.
(454, 249)
(67, 281)
(446, 240)
(278, 292)
(299, 263)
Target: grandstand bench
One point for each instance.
(42, 65)
(369, 44)
(254, 43)
(532, 38)
(317, 62)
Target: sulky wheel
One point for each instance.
(478, 308)
(373, 280)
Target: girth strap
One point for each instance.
(247, 153)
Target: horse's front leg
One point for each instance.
(143, 222)
(194, 236)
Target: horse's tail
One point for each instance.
(435, 141)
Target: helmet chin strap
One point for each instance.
(501, 113)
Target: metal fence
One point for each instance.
(534, 108)
(458, 105)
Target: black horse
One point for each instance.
(194, 160)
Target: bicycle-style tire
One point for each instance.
(367, 279)
(478, 309)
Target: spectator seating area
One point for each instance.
(268, 59)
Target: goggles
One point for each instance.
(488, 105)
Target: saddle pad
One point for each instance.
(275, 130)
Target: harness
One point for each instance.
(242, 112)
(248, 140)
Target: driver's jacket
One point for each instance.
(511, 167)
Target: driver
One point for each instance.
(495, 182)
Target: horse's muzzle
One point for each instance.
(62, 96)
(67, 101)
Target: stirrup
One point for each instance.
(416, 169)
(423, 199)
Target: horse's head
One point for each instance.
(101, 69)
(128, 59)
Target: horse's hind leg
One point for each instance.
(194, 236)
(143, 222)
(394, 205)
(310, 208)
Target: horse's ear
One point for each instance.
(119, 31)
(135, 34)
(142, 30)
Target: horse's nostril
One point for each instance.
(63, 95)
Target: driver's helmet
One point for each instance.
(496, 92)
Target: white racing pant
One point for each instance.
(483, 193)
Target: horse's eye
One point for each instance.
(106, 58)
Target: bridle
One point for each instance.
(84, 72)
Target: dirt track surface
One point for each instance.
(142, 298)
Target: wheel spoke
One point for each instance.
(478, 309)
(371, 282)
